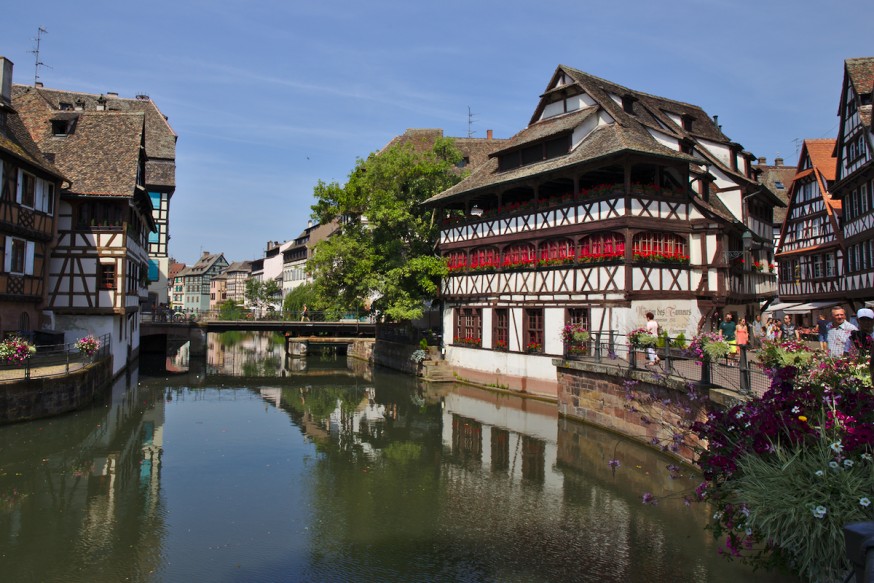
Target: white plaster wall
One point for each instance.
(720, 151)
(76, 327)
(732, 200)
(502, 363)
(555, 108)
(553, 323)
(487, 327)
(664, 139)
(582, 131)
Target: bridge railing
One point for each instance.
(52, 360)
(249, 316)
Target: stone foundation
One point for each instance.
(25, 400)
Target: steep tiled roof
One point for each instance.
(15, 140)
(629, 132)
(203, 264)
(821, 152)
(238, 266)
(861, 74)
(769, 176)
(476, 150)
(160, 139)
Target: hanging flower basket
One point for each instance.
(88, 345)
(640, 338)
(15, 351)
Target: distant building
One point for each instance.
(196, 281)
(29, 190)
(237, 273)
(175, 285)
(294, 258)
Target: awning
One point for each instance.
(780, 307)
(804, 308)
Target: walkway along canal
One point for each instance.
(337, 471)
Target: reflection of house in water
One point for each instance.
(249, 354)
(352, 426)
(498, 435)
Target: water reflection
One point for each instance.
(340, 473)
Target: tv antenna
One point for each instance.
(470, 121)
(37, 63)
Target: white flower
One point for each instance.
(796, 409)
(848, 463)
(837, 447)
(819, 511)
(833, 465)
(749, 532)
(864, 502)
(739, 414)
(867, 457)
(820, 473)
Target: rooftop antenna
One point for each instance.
(470, 121)
(37, 63)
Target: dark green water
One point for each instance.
(335, 474)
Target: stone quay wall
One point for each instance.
(660, 407)
(29, 399)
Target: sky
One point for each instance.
(270, 96)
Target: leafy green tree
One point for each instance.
(297, 298)
(231, 310)
(384, 248)
(262, 294)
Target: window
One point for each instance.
(26, 189)
(468, 326)
(534, 330)
(501, 332)
(578, 316)
(830, 265)
(106, 276)
(519, 255)
(557, 251)
(456, 260)
(779, 185)
(18, 257)
(602, 247)
(659, 246)
(484, 258)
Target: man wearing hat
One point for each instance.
(862, 339)
(839, 335)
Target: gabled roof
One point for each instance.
(822, 156)
(621, 132)
(206, 261)
(16, 140)
(238, 267)
(860, 73)
(39, 105)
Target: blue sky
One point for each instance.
(270, 96)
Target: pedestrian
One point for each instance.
(652, 327)
(839, 333)
(742, 333)
(727, 330)
(303, 313)
(789, 331)
(758, 332)
(822, 327)
(862, 339)
(773, 330)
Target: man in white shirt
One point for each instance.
(839, 335)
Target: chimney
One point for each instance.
(5, 81)
(38, 84)
(762, 161)
(309, 224)
(488, 134)
(778, 161)
(205, 254)
(112, 93)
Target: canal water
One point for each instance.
(254, 467)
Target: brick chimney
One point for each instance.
(5, 81)
(488, 134)
(778, 161)
(762, 161)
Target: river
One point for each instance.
(254, 467)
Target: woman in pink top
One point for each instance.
(742, 332)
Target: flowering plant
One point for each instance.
(786, 471)
(88, 345)
(661, 257)
(758, 265)
(575, 337)
(598, 257)
(775, 354)
(640, 338)
(418, 356)
(772, 267)
(708, 346)
(15, 350)
(500, 345)
(533, 347)
(470, 341)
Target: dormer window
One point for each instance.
(61, 127)
(63, 106)
(628, 103)
(688, 122)
(686, 147)
(779, 185)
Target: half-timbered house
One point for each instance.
(810, 253)
(159, 168)
(98, 270)
(29, 187)
(196, 281)
(610, 204)
(854, 178)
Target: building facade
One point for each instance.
(29, 191)
(98, 270)
(610, 204)
(810, 254)
(196, 281)
(854, 179)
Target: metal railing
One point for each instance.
(244, 315)
(739, 372)
(53, 360)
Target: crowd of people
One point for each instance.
(837, 336)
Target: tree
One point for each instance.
(262, 294)
(384, 248)
(297, 298)
(231, 310)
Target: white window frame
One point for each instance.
(29, 248)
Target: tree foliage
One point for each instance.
(262, 294)
(297, 298)
(385, 247)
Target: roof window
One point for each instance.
(779, 184)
